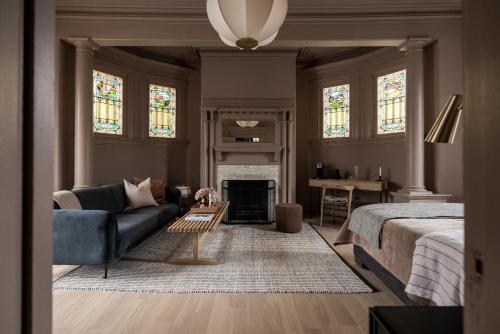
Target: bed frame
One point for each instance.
(365, 261)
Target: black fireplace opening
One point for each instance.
(250, 201)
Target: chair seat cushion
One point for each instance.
(336, 199)
(134, 228)
(165, 211)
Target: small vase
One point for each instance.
(204, 201)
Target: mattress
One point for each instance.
(398, 242)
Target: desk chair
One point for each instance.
(342, 202)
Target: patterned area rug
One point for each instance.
(257, 259)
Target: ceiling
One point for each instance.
(296, 8)
(190, 56)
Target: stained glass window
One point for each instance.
(162, 109)
(391, 96)
(108, 103)
(336, 111)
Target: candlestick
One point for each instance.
(356, 171)
(380, 172)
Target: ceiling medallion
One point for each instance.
(247, 24)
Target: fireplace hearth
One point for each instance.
(251, 201)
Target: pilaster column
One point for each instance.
(83, 112)
(414, 188)
(415, 115)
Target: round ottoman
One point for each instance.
(289, 217)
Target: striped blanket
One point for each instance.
(438, 268)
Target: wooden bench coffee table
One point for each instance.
(199, 231)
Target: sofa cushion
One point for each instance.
(166, 212)
(95, 198)
(118, 193)
(134, 228)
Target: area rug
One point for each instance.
(257, 259)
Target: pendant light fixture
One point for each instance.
(247, 24)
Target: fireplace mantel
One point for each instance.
(279, 150)
(248, 148)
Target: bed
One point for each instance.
(416, 249)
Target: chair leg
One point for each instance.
(105, 271)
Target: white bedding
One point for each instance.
(438, 268)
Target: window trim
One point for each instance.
(329, 84)
(123, 76)
(374, 81)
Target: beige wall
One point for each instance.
(248, 75)
(133, 153)
(365, 148)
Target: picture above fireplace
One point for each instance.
(251, 201)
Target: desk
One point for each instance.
(364, 185)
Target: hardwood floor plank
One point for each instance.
(112, 312)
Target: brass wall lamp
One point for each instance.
(445, 127)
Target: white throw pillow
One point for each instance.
(140, 195)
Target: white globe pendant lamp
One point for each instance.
(247, 24)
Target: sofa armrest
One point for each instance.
(173, 195)
(84, 237)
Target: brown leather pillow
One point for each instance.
(157, 188)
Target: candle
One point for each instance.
(379, 172)
(356, 171)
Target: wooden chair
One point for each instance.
(335, 202)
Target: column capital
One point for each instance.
(414, 43)
(83, 43)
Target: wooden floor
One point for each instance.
(113, 312)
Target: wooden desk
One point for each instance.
(364, 185)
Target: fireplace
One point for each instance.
(251, 201)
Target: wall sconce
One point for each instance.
(247, 124)
(445, 126)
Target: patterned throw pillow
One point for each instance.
(157, 188)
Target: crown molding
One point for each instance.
(122, 58)
(247, 54)
(215, 103)
(296, 8)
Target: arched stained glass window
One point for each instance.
(108, 103)
(162, 110)
(336, 112)
(391, 101)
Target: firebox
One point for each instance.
(251, 201)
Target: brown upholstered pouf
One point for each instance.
(289, 217)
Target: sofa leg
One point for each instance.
(105, 271)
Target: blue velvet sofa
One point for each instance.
(103, 231)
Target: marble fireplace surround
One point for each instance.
(249, 172)
(249, 161)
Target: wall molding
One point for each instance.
(141, 142)
(247, 104)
